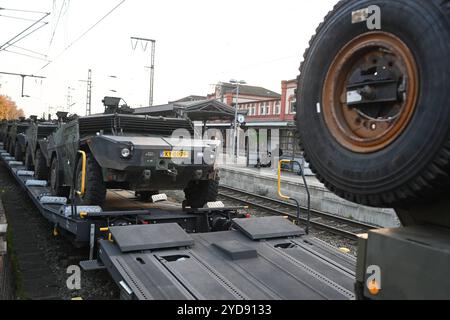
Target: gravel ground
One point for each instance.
(42, 259)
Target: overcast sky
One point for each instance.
(199, 43)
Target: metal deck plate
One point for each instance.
(280, 270)
(91, 265)
(267, 228)
(236, 250)
(149, 237)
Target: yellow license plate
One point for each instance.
(174, 154)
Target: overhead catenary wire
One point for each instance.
(29, 50)
(26, 55)
(84, 34)
(57, 23)
(12, 44)
(17, 18)
(21, 10)
(9, 42)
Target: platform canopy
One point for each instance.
(204, 110)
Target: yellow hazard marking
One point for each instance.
(344, 250)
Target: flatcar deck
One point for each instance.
(258, 258)
(229, 265)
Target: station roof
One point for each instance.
(203, 110)
(251, 91)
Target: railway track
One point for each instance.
(319, 220)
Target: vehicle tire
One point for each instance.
(406, 158)
(198, 193)
(145, 196)
(41, 170)
(55, 180)
(18, 154)
(11, 148)
(95, 190)
(28, 159)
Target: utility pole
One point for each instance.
(88, 93)
(236, 110)
(69, 99)
(144, 43)
(23, 79)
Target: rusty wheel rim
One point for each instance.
(370, 124)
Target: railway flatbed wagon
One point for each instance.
(162, 250)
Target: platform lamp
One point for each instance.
(238, 84)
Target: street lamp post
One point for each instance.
(234, 144)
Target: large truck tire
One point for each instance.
(384, 154)
(11, 150)
(199, 193)
(28, 159)
(95, 190)
(18, 154)
(41, 171)
(55, 180)
(145, 196)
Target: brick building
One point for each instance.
(266, 109)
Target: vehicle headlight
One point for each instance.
(125, 153)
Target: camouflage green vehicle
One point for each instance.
(131, 152)
(16, 138)
(36, 147)
(4, 126)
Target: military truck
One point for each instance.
(134, 153)
(36, 143)
(16, 138)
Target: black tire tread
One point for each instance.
(95, 190)
(58, 190)
(198, 193)
(28, 159)
(41, 171)
(18, 152)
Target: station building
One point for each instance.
(264, 111)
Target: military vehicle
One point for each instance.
(134, 153)
(36, 147)
(16, 138)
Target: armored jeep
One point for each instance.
(36, 143)
(16, 138)
(130, 152)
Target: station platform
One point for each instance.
(263, 181)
